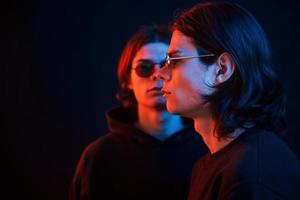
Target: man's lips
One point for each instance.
(159, 90)
(155, 91)
(165, 92)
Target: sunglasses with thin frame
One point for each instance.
(146, 68)
(171, 61)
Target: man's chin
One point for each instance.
(161, 106)
(175, 111)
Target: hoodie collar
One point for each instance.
(121, 121)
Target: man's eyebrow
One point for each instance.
(143, 60)
(174, 52)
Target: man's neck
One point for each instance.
(206, 128)
(157, 122)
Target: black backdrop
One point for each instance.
(59, 77)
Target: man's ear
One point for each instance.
(225, 67)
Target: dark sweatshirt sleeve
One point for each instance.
(81, 183)
(90, 179)
(253, 191)
(77, 189)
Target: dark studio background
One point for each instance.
(59, 78)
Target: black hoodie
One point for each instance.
(128, 163)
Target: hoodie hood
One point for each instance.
(120, 120)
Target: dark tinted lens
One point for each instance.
(163, 63)
(172, 63)
(144, 69)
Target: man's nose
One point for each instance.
(162, 74)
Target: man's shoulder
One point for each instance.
(267, 152)
(105, 144)
(265, 164)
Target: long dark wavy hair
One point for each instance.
(254, 94)
(145, 35)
